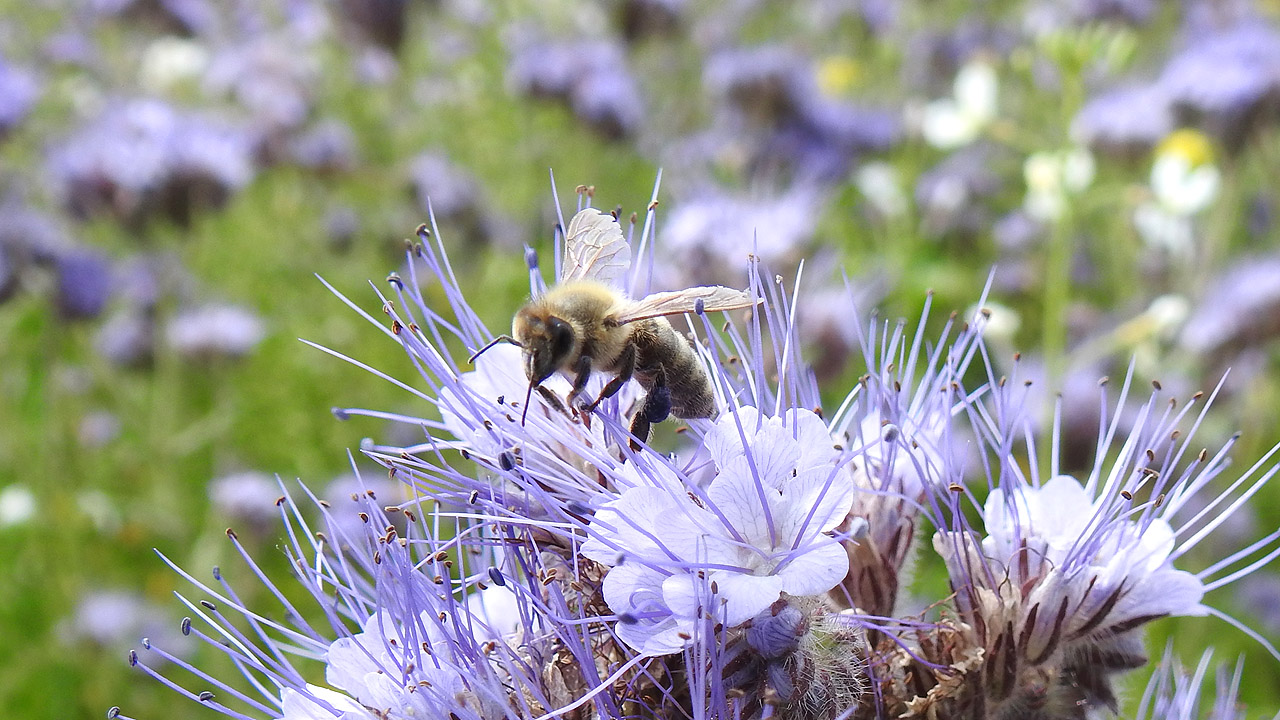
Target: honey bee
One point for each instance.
(586, 323)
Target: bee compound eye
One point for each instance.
(561, 334)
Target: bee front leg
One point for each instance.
(626, 369)
(582, 373)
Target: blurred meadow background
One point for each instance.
(175, 173)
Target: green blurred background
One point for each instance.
(118, 456)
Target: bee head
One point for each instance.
(548, 343)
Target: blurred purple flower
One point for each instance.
(1125, 121)
(932, 58)
(455, 198)
(640, 19)
(127, 338)
(442, 186)
(381, 22)
(711, 234)
(951, 196)
(1175, 693)
(214, 331)
(114, 619)
(272, 76)
(19, 90)
(781, 122)
(98, 429)
(341, 226)
(1129, 12)
(143, 158)
(330, 146)
(70, 47)
(182, 17)
(1228, 81)
(1240, 307)
(247, 497)
(84, 283)
(590, 76)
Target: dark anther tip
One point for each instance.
(700, 307)
(185, 627)
(340, 413)
(506, 461)
(496, 576)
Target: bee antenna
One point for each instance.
(500, 339)
(528, 395)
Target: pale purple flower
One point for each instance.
(758, 529)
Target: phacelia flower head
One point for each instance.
(540, 560)
(1065, 570)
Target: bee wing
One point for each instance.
(714, 299)
(594, 248)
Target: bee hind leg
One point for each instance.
(626, 369)
(657, 404)
(656, 408)
(640, 429)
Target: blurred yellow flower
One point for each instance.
(1192, 145)
(838, 75)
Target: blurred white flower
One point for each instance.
(1052, 177)
(880, 185)
(17, 505)
(1184, 183)
(1182, 188)
(956, 121)
(171, 60)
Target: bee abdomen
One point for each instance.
(660, 346)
